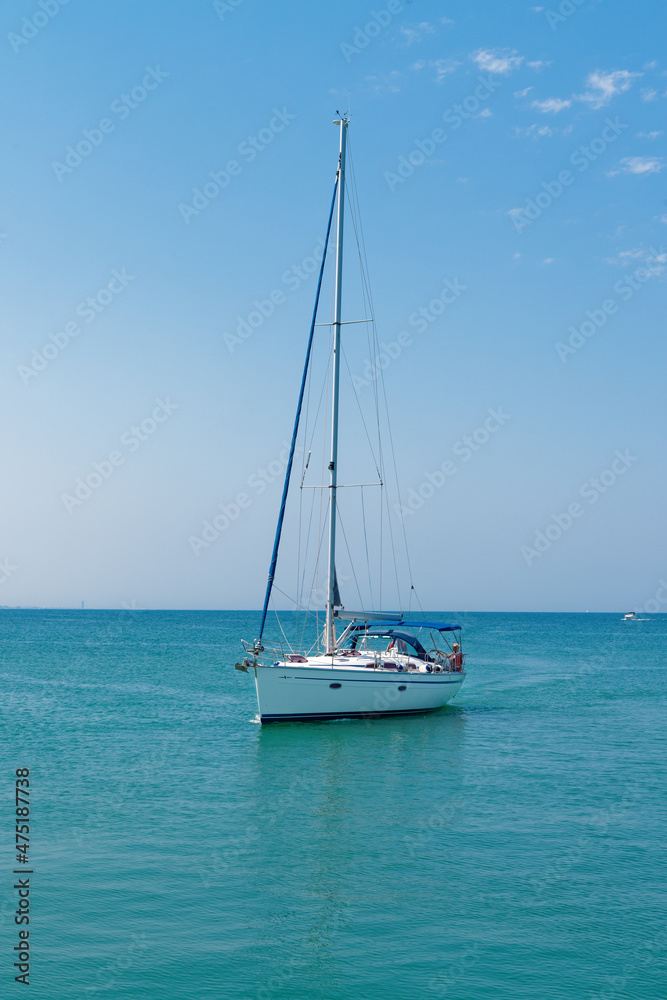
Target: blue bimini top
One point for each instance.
(394, 630)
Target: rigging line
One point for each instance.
(374, 351)
(361, 414)
(299, 590)
(366, 288)
(384, 393)
(373, 345)
(417, 596)
(291, 600)
(306, 611)
(288, 472)
(300, 519)
(368, 561)
(325, 385)
(298, 559)
(275, 611)
(391, 531)
(324, 508)
(367, 291)
(349, 555)
(393, 553)
(366, 269)
(393, 456)
(355, 213)
(358, 231)
(321, 534)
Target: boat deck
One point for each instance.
(394, 664)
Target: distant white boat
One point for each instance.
(631, 617)
(364, 664)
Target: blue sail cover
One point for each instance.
(407, 624)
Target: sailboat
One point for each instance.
(364, 664)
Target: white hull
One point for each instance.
(288, 691)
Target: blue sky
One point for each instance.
(515, 151)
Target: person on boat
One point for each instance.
(456, 659)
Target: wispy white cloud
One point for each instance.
(416, 33)
(639, 165)
(649, 135)
(648, 94)
(538, 64)
(522, 93)
(446, 20)
(625, 257)
(442, 67)
(602, 87)
(501, 61)
(654, 261)
(548, 260)
(385, 84)
(552, 105)
(486, 113)
(642, 164)
(534, 131)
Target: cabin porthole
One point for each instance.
(334, 685)
(401, 687)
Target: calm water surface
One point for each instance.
(509, 846)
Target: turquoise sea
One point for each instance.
(508, 846)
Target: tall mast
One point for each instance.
(333, 470)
